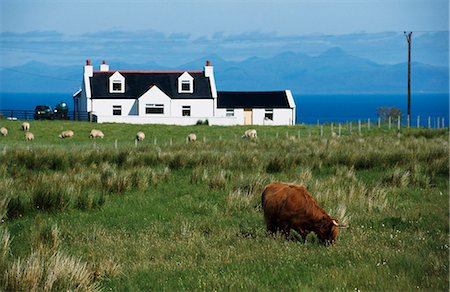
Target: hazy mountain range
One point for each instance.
(333, 71)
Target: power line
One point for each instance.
(38, 75)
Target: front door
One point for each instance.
(248, 116)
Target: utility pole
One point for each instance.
(408, 38)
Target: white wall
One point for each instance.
(238, 115)
(182, 121)
(281, 116)
(154, 96)
(199, 107)
(104, 107)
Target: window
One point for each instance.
(268, 115)
(185, 86)
(230, 112)
(116, 86)
(154, 109)
(117, 110)
(186, 111)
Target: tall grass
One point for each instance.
(188, 216)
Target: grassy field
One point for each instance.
(166, 215)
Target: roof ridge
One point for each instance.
(150, 71)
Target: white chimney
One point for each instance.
(88, 69)
(104, 67)
(209, 72)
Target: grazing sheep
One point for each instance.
(140, 136)
(250, 134)
(4, 131)
(96, 133)
(191, 137)
(66, 134)
(25, 126)
(29, 136)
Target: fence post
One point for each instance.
(115, 144)
(368, 124)
(443, 124)
(429, 122)
(379, 122)
(407, 121)
(321, 130)
(398, 123)
(418, 121)
(135, 143)
(359, 127)
(389, 123)
(154, 141)
(438, 123)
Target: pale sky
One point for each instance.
(206, 17)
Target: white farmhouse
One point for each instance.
(175, 97)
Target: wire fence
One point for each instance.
(29, 115)
(430, 122)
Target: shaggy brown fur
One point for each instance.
(289, 206)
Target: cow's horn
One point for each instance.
(335, 222)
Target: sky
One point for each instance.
(177, 32)
(206, 17)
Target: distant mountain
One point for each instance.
(334, 71)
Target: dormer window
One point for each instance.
(185, 86)
(116, 83)
(185, 83)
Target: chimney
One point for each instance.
(209, 73)
(88, 69)
(104, 67)
(209, 70)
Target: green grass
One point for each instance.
(167, 215)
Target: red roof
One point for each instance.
(149, 71)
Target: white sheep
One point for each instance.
(96, 133)
(29, 136)
(66, 134)
(250, 134)
(4, 131)
(25, 126)
(191, 137)
(140, 136)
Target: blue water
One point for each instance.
(310, 108)
(342, 108)
(28, 101)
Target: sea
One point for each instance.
(310, 109)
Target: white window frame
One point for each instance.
(184, 79)
(117, 78)
(186, 108)
(268, 112)
(154, 106)
(229, 112)
(117, 108)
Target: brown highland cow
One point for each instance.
(288, 206)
